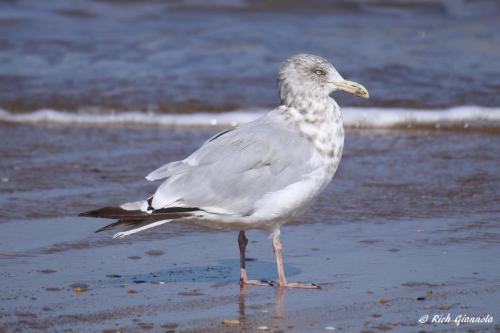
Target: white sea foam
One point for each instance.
(142, 118)
(396, 117)
(466, 116)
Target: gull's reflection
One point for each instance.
(279, 311)
(241, 301)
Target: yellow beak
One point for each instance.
(352, 88)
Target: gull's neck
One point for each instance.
(319, 119)
(313, 107)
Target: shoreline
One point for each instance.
(464, 118)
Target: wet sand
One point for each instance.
(376, 275)
(396, 236)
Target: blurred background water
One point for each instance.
(187, 56)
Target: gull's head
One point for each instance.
(305, 75)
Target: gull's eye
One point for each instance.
(319, 72)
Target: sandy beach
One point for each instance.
(388, 245)
(370, 279)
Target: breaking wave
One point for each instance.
(457, 117)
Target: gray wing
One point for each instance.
(236, 168)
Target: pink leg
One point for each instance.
(281, 272)
(242, 242)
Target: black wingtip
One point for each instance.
(92, 213)
(112, 213)
(130, 218)
(101, 229)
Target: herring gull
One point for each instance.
(258, 175)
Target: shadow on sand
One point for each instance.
(225, 271)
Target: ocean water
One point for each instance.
(98, 56)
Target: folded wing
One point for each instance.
(235, 169)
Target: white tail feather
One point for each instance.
(133, 231)
(141, 205)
